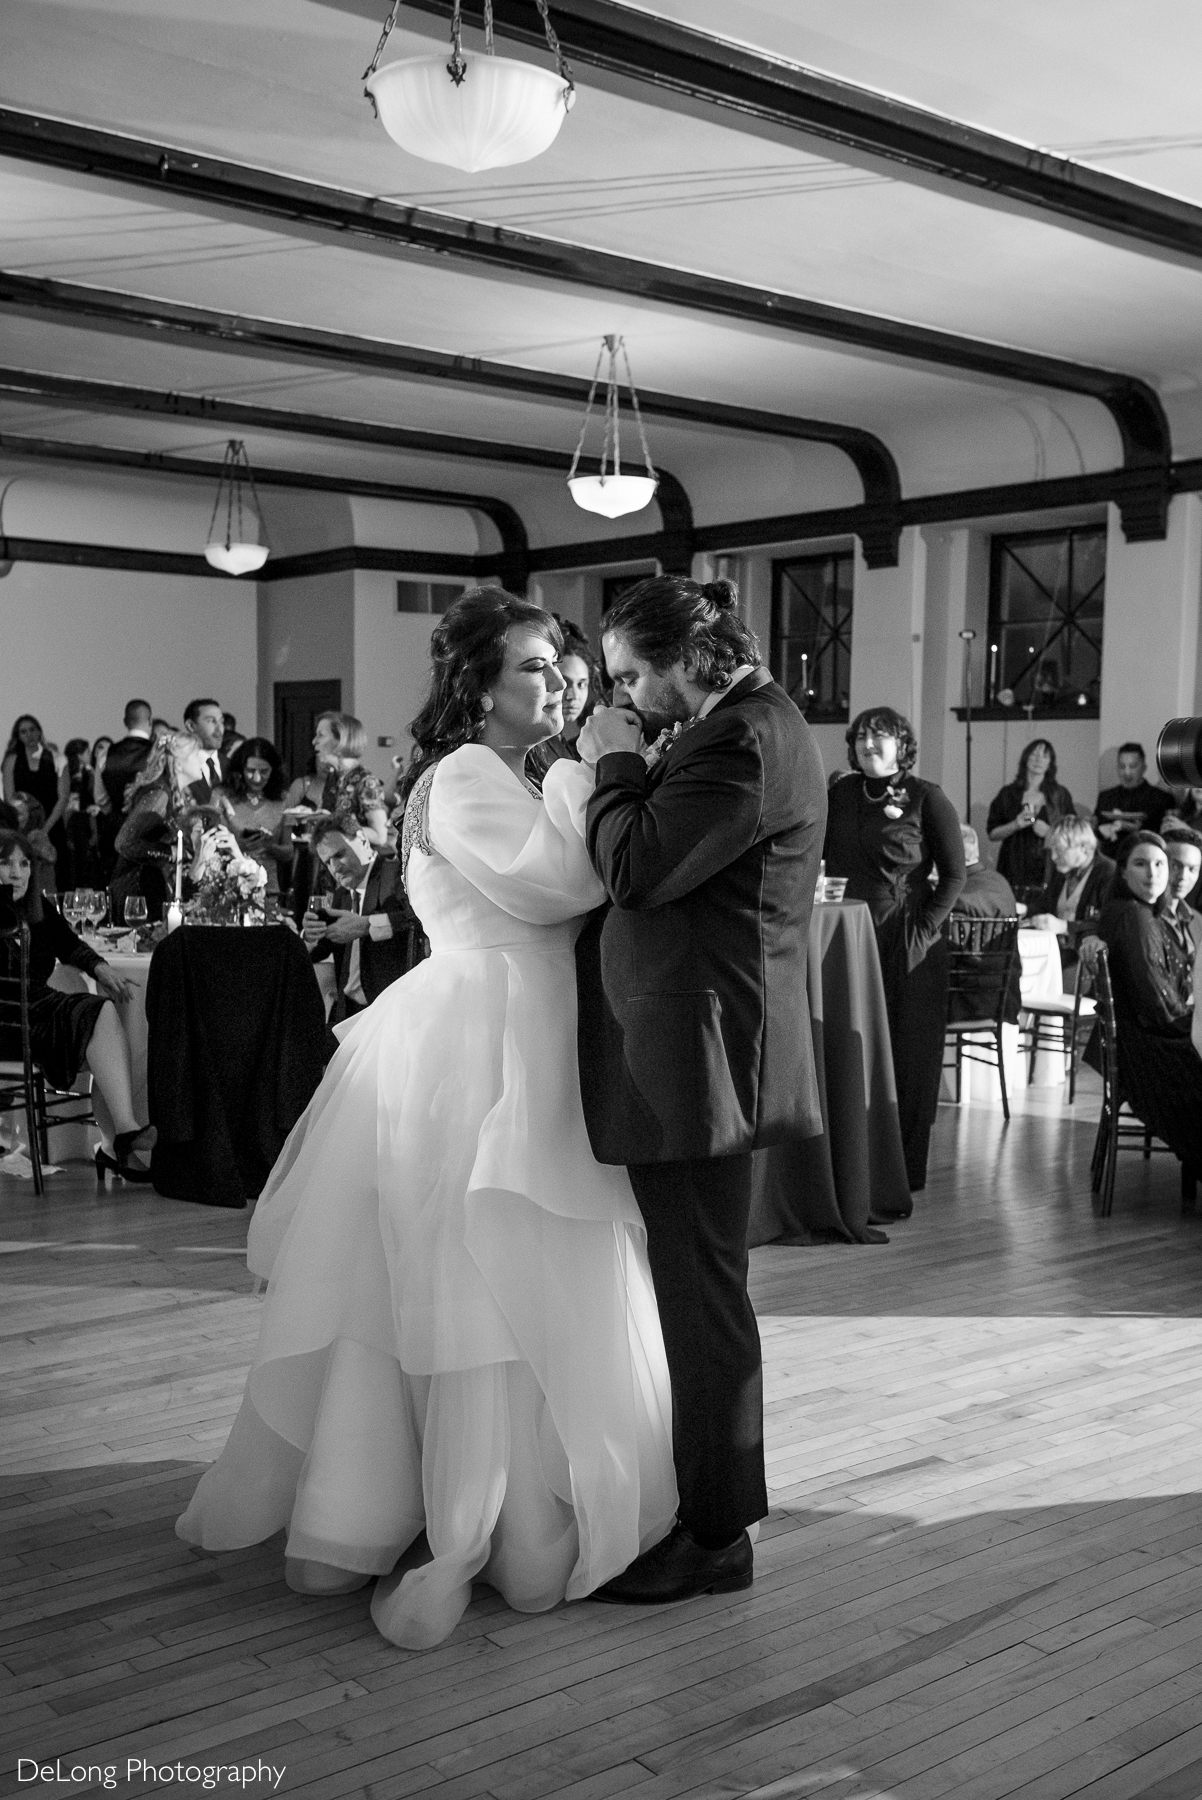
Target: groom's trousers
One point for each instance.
(696, 1215)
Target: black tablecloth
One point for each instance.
(826, 1186)
(236, 1049)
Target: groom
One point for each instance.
(695, 1042)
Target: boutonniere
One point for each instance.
(671, 734)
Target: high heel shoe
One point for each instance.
(124, 1143)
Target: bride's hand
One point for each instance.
(606, 730)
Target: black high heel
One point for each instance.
(123, 1143)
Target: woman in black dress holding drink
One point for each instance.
(886, 831)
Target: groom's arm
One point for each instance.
(655, 841)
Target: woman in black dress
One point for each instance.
(29, 768)
(1021, 816)
(886, 831)
(70, 1031)
(1160, 1072)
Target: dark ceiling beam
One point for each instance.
(510, 528)
(177, 174)
(110, 310)
(283, 568)
(677, 62)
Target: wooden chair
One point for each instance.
(981, 961)
(1061, 1022)
(1118, 1127)
(21, 1084)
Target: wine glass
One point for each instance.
(98, 907)
(135, 909)
(68, 906)
(83, 905)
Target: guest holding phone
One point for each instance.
(257, 811)
(1023, 814)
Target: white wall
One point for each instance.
(392, 667)
(76, 644)
(306, 632)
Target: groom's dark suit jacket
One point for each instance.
(695, 1037)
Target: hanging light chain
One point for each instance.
(638, 417)
(556, 49)
(592, 395)
(611, 441)
(235, 468)
(374, 64)
(457, 67)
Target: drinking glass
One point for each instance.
(83, 905)
(68, 907)
(98, 907)
(135, 909)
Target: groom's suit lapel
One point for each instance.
(750, 684)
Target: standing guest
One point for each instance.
(126, 758)
(196, 753)
(102, 810)
(72, 1031)
(29, 768)
(145, 847)
(373, 936)
(231, 737)
(986, 894)
(257, 810)
(1134, 805)
(350, 789)
(1078, 889)
(580, 694)
(83, 844)
(1185, 866)
(886, 831)
(1159, 1070)
(162, 729)
(694, 1033)
(1021, 816)
(31, 823)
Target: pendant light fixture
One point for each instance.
(613, 493)
(237, 551)
(474, 112)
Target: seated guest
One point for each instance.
(986, 894)
(256, 812)
(1134, 805)
(1023, 813)
(69, 1032)
(1186, 809)
(1160, 1072)
(374, 937)
(126, 757)
(1079, 887)
(145, 847)
(1185, 865)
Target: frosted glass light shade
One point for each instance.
(236, 559)
(613, 495)
(502, 111)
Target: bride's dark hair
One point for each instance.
(467, 653)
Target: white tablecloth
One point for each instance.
(1041, 977)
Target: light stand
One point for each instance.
(967, 638)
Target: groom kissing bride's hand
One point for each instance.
(608, 729)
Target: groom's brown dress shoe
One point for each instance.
(677, 1568)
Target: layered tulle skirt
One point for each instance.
(459, 1333)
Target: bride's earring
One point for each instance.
(486, 702)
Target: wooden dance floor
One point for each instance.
(982, 1575)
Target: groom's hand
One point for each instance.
(608, 729)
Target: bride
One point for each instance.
(460, 1334)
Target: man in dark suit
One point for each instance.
(695, 1040)
(128, 756)
(374, 936)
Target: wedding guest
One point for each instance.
(1078, 889)
(83, 846)
(1160, 1072)
(986, 894)
(1185, 866)
(145, 847)
(231, 737)
(31, 823)
(29, 768)
(72, 1031)
(578, 667)
(350, 789)
(126, 758)
(374, 937)
(1134, 804)
(196, 752)
(163, 728)
(257, 809)
(101, 810)
(1186, 809)
(886, 831)
(1023, 813)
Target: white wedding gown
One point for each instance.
(460, 1332)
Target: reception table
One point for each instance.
(825, 1187)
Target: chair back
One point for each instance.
(1107, 1031)
(14, 979)
(981, 959)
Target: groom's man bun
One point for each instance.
(669, 619)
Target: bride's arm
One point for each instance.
(507, 843)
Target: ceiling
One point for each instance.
(668, 179)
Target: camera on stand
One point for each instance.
(1179, 753)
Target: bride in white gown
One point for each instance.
(460, 1333)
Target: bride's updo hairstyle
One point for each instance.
(467, 653)
(669, 619)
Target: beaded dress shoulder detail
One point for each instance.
(415, 827)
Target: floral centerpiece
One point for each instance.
(229, 888)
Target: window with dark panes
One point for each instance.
(811, 633)
(1046, 594)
